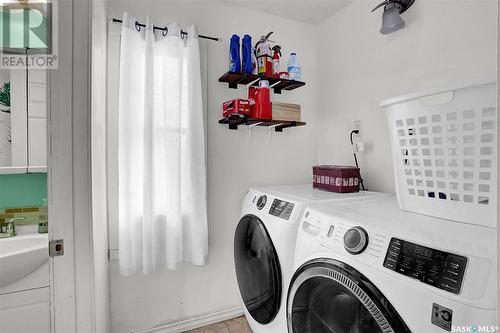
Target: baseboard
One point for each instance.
(193, 323)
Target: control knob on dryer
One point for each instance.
(355, 240)
(261, 202)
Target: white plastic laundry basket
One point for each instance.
(445, 152)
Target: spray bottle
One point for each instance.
(276, 60)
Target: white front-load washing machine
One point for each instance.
(370, 267)
(264, 245)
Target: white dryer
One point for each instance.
(264, 245)
(370, 267)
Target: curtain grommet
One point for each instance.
(164, 31)
(137, 26)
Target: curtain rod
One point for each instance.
(165, 29)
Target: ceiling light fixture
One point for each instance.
(391, 19)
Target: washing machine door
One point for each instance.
(327, 296)
(257, 269)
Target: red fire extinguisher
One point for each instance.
(263, 54)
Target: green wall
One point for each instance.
(23, 190)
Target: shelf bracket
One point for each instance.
(274, 84)
(250, 127)
(280, 127)
(277, 90)
(233, 124)
(234, 84)
(269, 129)
(251, 84)
(254, 82)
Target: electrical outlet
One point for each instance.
(360, 147)
(356, 125)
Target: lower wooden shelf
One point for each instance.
(278, 125)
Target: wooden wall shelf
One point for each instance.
(277, 84)
(279, 125)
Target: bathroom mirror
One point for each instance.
(23, 120)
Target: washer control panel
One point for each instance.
(437, 268)
(281, 208)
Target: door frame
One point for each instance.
(71, 276)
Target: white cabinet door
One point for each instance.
(37, 146)
(5, 139)
(25, 311)
(26, 124)
(37, 121)
(18, 120)
(37, 97)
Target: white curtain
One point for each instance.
(162, 173)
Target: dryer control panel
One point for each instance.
(281, 208)
(437, 268)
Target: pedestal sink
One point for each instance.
(21, 255)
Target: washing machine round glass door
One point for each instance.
(327, 296)
(257, 269)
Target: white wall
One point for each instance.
(443, 41)
(141, 302)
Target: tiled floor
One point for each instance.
(236, 325)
